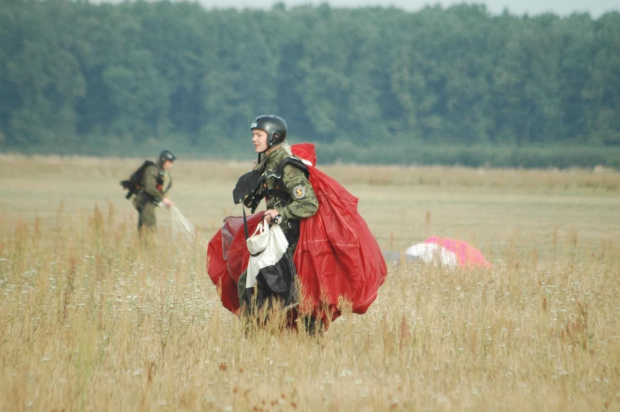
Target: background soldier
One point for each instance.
(152, 193)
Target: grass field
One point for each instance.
(93, 319)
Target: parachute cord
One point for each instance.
(245, 225)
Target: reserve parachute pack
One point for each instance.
(133, 184)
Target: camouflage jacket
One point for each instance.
(153, 183)
(296, 199)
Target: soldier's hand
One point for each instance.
(270, 215)
(167, 202)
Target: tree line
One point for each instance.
(368, 84)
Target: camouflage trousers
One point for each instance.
(252, 300)
(146, 212)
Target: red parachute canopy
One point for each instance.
(337, 258)
(466, 254)
(228, 257)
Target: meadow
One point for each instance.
(93, 318)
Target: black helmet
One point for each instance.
(166, 155)
(274, 126)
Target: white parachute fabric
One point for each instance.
(432, 253)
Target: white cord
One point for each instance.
(181, 224)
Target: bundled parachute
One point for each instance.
(448, 252)
(337, 258)
(228, 257)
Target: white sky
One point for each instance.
(516, 7)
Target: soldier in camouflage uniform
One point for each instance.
(152, 193)
(288, 204)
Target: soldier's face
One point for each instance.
(259, 138)
(167, 165)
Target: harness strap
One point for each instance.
(245, 225)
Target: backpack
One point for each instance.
(134, 183)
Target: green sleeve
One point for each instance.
(303, 199)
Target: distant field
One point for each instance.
(91, 319)
(532, 211)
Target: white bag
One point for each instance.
(267, 246)
(259, 239)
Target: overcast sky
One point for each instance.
(516, 7)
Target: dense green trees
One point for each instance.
(367, 84)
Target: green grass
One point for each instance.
(91, 318)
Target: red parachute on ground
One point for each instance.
(337, 258)
(448, 252)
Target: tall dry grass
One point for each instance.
(92, 317)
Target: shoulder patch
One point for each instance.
(299, 192)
